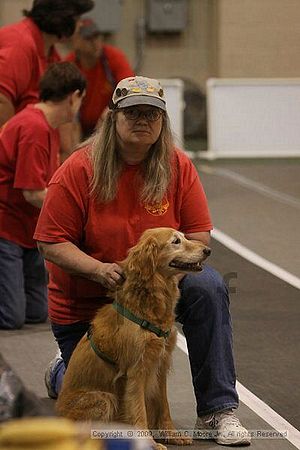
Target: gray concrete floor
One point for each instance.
(266, 224)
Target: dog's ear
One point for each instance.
(142, 258)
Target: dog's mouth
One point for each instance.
(186, 266)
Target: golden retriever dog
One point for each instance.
(119, 368)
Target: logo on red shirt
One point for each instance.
(158, 209)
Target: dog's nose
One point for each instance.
(207, 251)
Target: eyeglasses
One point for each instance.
(152, 114)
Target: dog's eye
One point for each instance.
(176, 241)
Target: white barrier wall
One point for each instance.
(173, 89)
(253, 117)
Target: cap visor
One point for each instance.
(141, 100)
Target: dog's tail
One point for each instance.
(87, 405)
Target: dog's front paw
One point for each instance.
(179, 441)
(175, 437)
(158, 446)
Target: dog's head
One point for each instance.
(166, 251)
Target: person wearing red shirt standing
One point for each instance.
(29, 156)
(103, 66)
(27, 47)
(128, 178)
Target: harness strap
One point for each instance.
(141, 322)
(97, 351)
(107, 69)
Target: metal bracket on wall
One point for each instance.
(166, 16)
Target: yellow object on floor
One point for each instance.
(41, 433)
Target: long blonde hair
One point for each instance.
(107, 165)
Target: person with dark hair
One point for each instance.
(29, 156)
(127, 178)
(103, 66)
(27, 47)
(58, 17)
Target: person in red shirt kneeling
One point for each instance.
(29, 156)
(128, 178)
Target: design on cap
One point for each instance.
(137, 86)
(121, 92)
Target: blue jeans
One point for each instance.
(203, 311)
(23, 286)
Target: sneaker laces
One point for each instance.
(209, 420)
(228, 418)
(212, 422)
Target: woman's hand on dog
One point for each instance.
(109, 275)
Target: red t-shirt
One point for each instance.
(99, 88)
(22, 62)
(107, 231)
(29, 152)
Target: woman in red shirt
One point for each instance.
(127, 178)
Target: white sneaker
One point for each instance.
(56, 360)
(224, 427)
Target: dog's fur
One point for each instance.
(134, 390)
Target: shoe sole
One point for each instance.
(244, 442)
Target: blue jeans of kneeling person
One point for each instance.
(203, 311)
(23, 286)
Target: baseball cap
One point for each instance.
(88, 29)
(138, 91)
